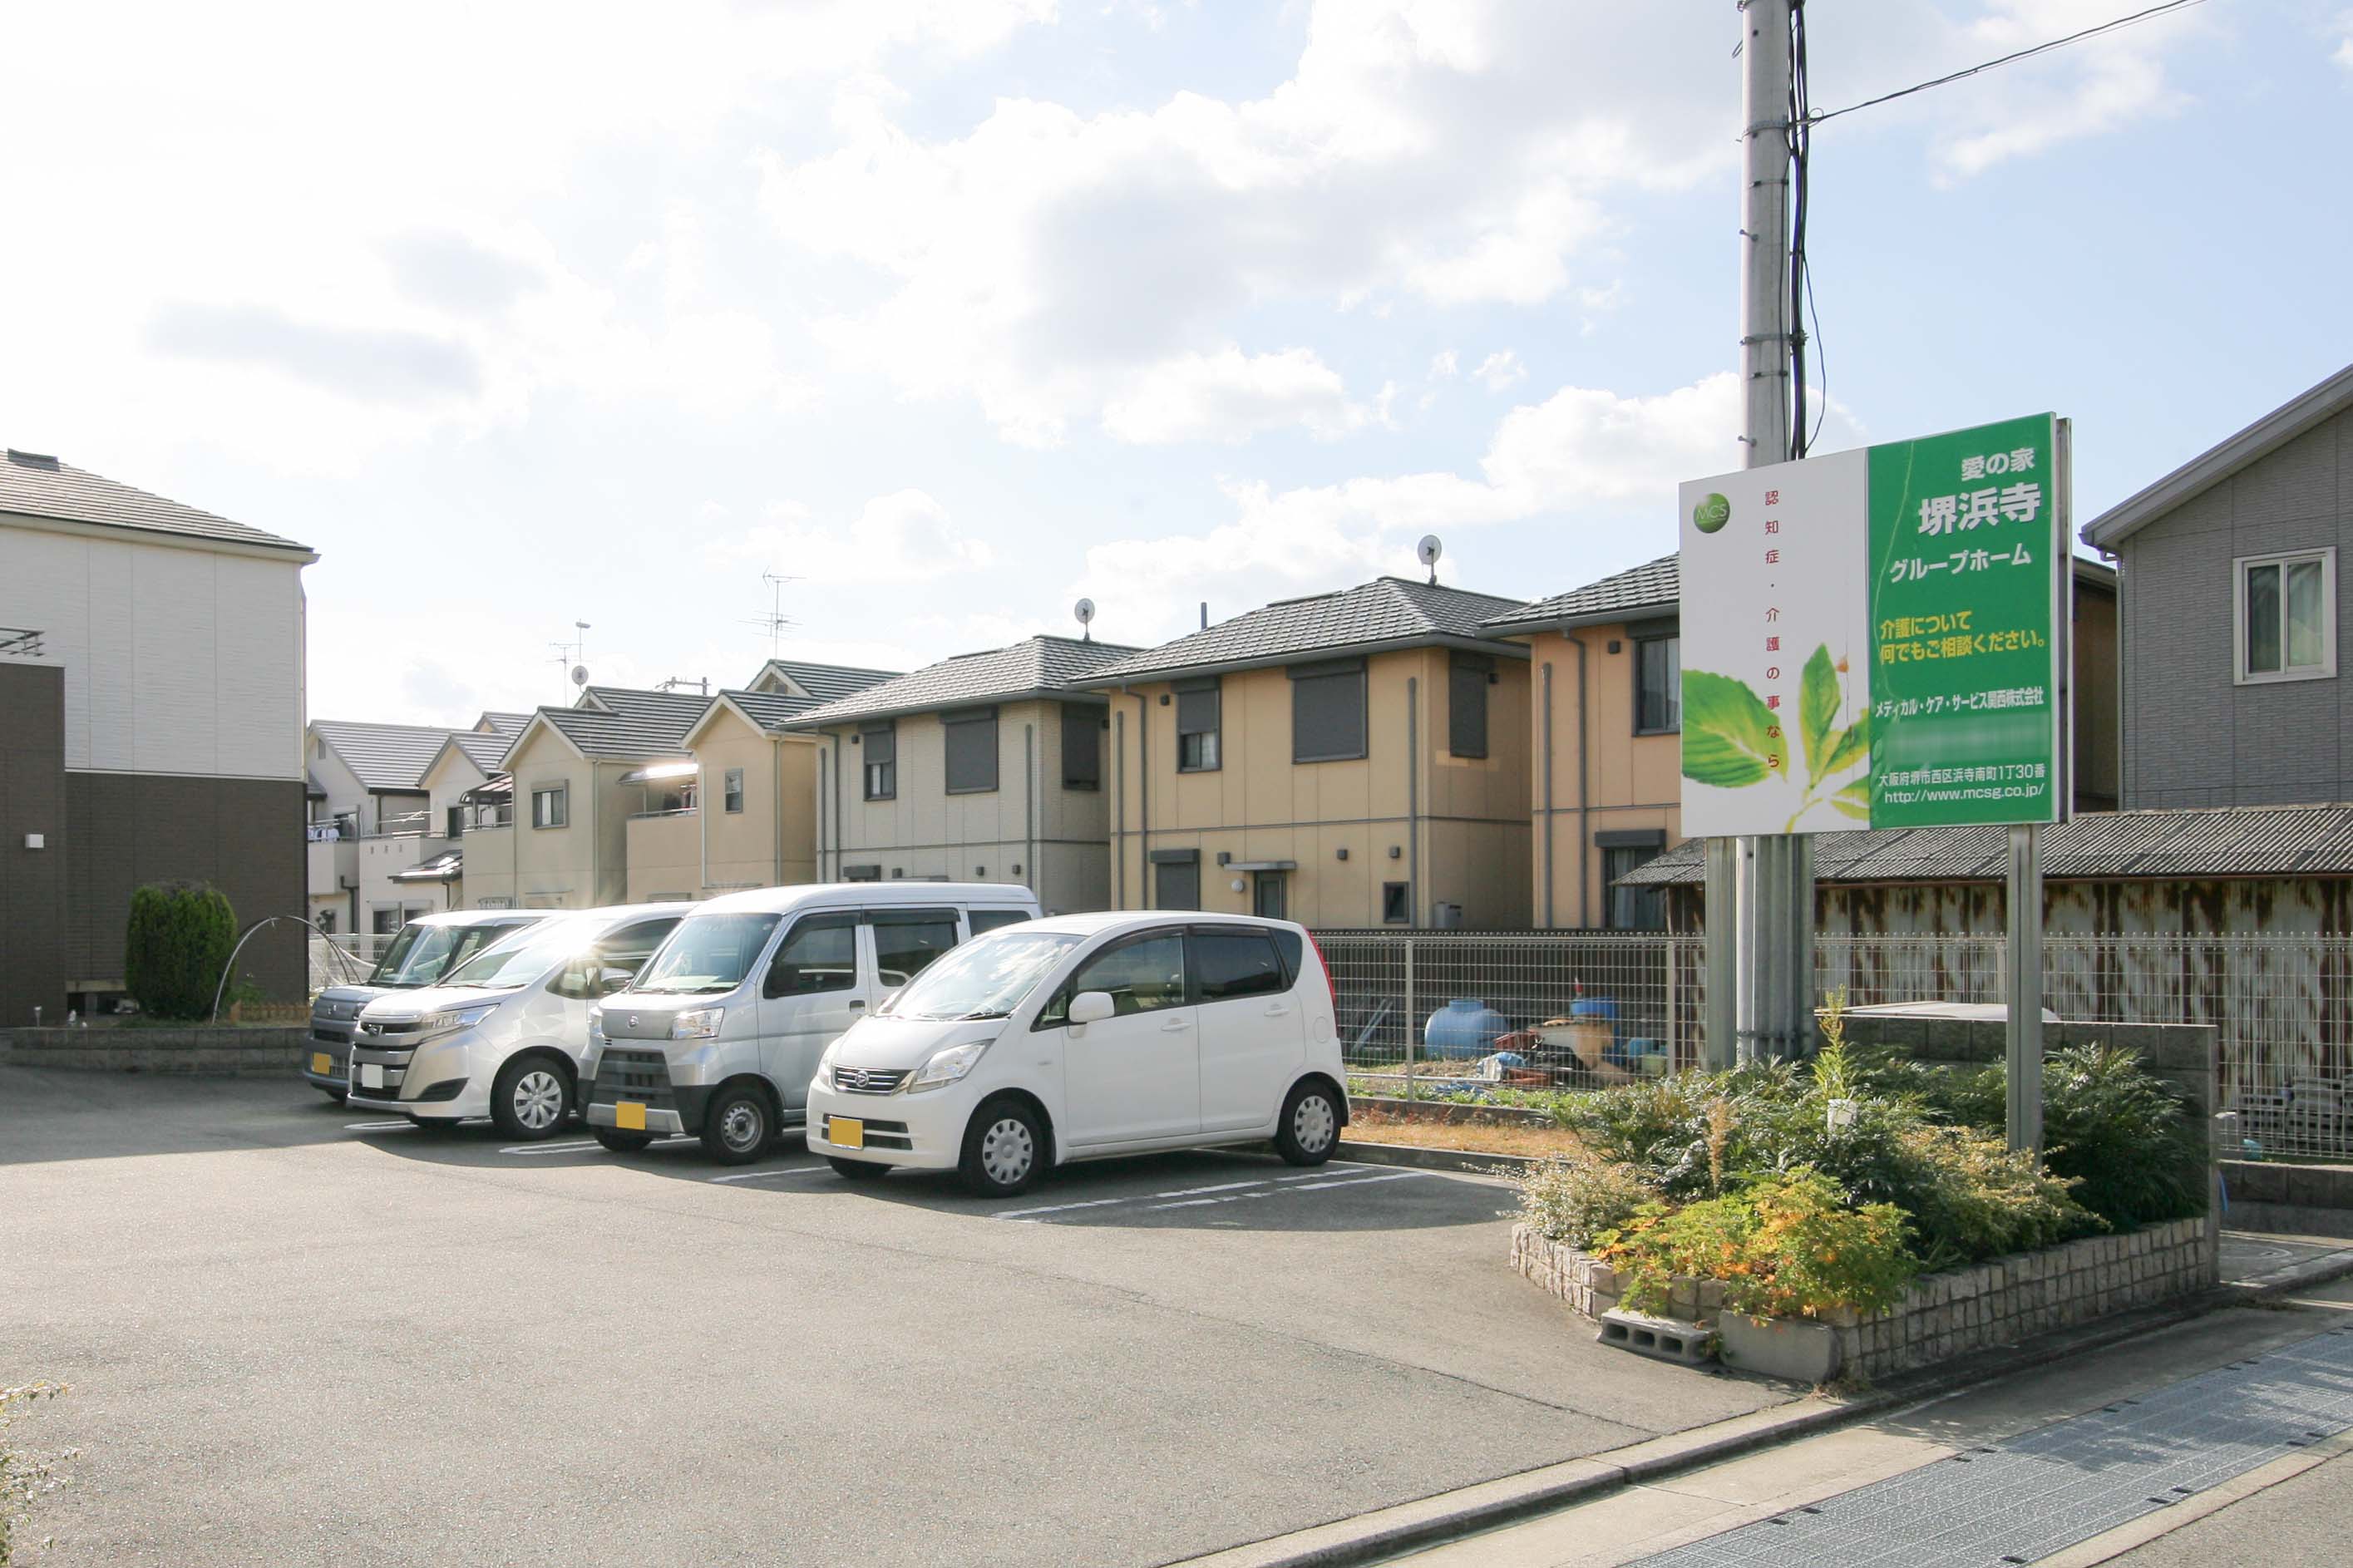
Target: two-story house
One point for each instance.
(151, 727)
(1356, 758)
(1606, 745)
(983, 768)
(2233, 628)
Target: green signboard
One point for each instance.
(1876, 638)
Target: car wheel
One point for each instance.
(858, 1170)
(530, 1098)
(1309, 1128)
(622, 1142)
(737, 1125)
(1003, 1149)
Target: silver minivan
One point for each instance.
(720, 1033)
(426, 948)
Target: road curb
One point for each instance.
(1432, 1158)
(1430, 1522)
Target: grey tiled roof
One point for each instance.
(504, 723)
(1389, 612)
(1035, 666)
(1652, 585)
(383, 756)
(2228, 841)
(37, 486)
(771, 711)
(487, 751)
(628, 723)
(825, 682)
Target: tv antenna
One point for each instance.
(572, 654)
(1430, 550)
(776, 620)
(1085, 610)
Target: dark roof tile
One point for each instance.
(1387, 612)
(32, 485)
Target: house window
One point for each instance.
(1396, 903)
(1623, 854)
(1467, 675)
(972, 750)
(734, 788)
(326, 921)
(879, 745)
(1199, 713)
(1082, 746)
(2286, 615)
(1658, 685)
(1327, 711)
(551, 805)
(457, 821)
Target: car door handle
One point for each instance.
(855, 1005)
(1278, 1010)
(1175, 1026)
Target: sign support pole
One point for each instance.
(2022, 988)
(1777, 896)
(1720, 956)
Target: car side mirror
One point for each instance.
(1091, 1007)
(611, 980)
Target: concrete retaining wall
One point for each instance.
(259, 1049)
(2188, 1056)
(1943, 1315)
(2288, 1200)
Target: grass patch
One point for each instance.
(1534, 1141)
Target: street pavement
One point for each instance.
(299, 1334)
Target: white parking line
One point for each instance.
(1059, 1208)
(761, 1175)
(573, 1148)
(1224, 1192)
(379, 1127)
(1360, 1181)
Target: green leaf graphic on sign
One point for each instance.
(1855, 800)
(1818, 705)
(1852, 745)
(1726, 737)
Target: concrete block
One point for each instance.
(1661, 1339)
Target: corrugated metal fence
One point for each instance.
(1583, 1008)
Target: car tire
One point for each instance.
(530, 1098)
(1310, 1129)
(738, 1125)
(858, 1170)
(338, 1095)
(1003, 1149)
(621, 1143)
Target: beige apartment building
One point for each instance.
(983, 768)
(1357, 758)
(1606, 736)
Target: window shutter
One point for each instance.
(1466, 704)
(1082, 746)
(879, 743)
(1327, 711)
(972, 750)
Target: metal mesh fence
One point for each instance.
(1443, 1013)
(345, 958)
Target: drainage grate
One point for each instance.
(2062, 1483)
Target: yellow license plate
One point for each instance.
(844, 1131)
(323, 1064)
(629, 1116)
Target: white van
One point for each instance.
(502, 1034)
(719, 1035)
(1086, 1036)
(426, 948)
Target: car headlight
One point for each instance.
(946, 1066)
(696, 1024)
(449, 1020)
(825, 1062)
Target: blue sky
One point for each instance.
(956, 310)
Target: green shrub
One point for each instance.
(2124, 1135)
(1573, 1199)
(177, 947)
(1793, 1245)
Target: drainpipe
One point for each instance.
(776, 806)
(595, 886)
(1547, 797)
(841, 826)
(1030, 805)
(1119, 811)
(1584, 799)
(1143, 796)
(703, 823)
(1413, 795)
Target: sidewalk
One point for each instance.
(1625, 1505)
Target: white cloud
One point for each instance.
(2095, 88)
(1230, 397)
(903, 537)
(1500, 370)
(1445, 365)
(2344, 27)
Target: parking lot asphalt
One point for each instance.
(299, 1333)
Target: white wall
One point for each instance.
(176, 660)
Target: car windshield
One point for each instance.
(422, 953)
(986, 978)
(707, 953)
(532, 954)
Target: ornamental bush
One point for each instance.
(177, 946)
(1572, 1198)
(1787, 1246)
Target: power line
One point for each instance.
(2006, 59)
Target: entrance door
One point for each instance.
(1267, 895)
(1138, 1074)
(1177, 885)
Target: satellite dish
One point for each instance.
(579, 675)
(1430, 550)
(1085, 610)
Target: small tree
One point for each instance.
(177, 947)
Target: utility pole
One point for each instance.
(1770, 1008)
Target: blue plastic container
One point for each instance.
(1463, 1028)
(1594, 1007)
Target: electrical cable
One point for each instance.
(2006, 59)
(1801, 190)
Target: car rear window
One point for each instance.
(1241, 962)
(1289, 945)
